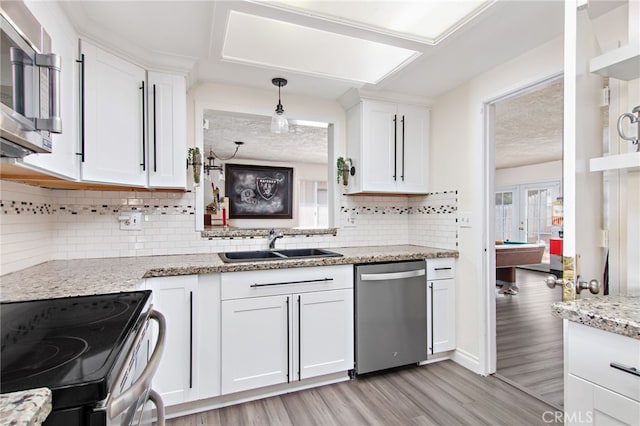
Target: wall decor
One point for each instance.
(259, 192)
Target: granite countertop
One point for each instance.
(617, 314)
(25, 408)
(61, 278)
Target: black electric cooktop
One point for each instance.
(72, 345)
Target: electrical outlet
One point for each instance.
(464, 219)
(130, 221)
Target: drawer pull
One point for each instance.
(630, 370)
(293, 282)
(443, 269)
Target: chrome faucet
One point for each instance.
(273, 236)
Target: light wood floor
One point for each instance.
(529, 338)
(437, 394)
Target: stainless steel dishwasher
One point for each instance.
(390, 315)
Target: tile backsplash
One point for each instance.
(39, 224)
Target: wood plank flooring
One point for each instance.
(437, 394)
(529, 338)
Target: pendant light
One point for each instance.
(279, 123)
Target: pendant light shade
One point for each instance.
(279, 122)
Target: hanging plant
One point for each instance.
(345, 167)
(194, 158)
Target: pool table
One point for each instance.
(511, 254)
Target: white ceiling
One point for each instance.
(188, 36)
(528, 128)
(302, 144)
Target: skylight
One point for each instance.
(426, 21)
(271, 43)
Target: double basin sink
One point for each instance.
(264, 255)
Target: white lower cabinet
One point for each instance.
(282, 326)
(175, 297)
(590, 404)
(255, 342)
(602, 385)
(441, 305)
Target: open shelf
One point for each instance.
(622, 63)
(629, 161)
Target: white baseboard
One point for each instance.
(467, 360)
(199, 406)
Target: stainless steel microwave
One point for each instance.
(29, 84)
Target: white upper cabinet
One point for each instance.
(113, 143)
(62, 161)
(167, 130)
(388, 144)
(133, 123)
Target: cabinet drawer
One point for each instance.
(440, 269)
(236, 285)
(591, 352)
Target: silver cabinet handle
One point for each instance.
(392, 275)
(630, 370)
(127, 398)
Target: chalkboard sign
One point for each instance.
(259, 192)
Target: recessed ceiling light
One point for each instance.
(272, 43)
(426, 21)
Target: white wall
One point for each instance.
(458, 161)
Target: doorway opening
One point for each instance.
(524, 132)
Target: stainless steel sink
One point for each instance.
(265, 255)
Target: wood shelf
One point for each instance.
(10, 170)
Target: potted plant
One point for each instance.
(194, 158)
(345, 167)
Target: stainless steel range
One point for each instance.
(91, 351)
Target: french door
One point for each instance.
(525, 213)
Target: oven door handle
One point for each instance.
(157, 401)
(123, 401)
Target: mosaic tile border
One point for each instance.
(443, 202)
(10, 207)
(441, 209)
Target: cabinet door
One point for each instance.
(114, 138)
(324, 333)
(441, 312)
(379, 140)
(256, 349)
(167, 130)
(175, 298)
(206, 356)
(588, 403)
(413, 149)
(62, 160)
